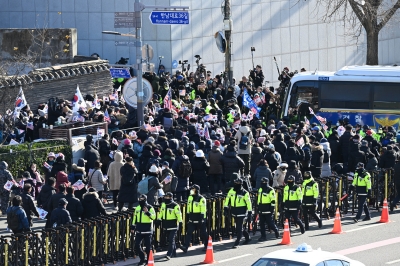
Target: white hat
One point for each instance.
(263, 132)
(150, 139)
(51, 154)
(153, 169)
(271, 146)
(199, 153)
(285, 165)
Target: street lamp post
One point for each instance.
(228, 36)
(139, 61)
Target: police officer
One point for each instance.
(239, 201)
(310, 198)
(266, 208)
(171, 217)
(197, 211)
(142, 223)
(362, 184)
(292, 201)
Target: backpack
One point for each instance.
(143, 186)
(167, 123)
(307, 153)
(244, 141)
(326, 157)
(13, 220)
(185, 169)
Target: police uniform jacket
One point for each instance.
(144, 220)
(266, 200)
(239, 201)
(171, 215)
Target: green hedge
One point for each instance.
(26, 153)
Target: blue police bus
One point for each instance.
(366, 95)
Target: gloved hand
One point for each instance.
(226, 211)
(369, 194)
(249, 216)
(157, 222)
(180, 225)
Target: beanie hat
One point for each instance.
(127, 142)
(153, 169)
(217, 143)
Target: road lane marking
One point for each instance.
(363, 227)
(373, 245)
(392, 262)
(234, 258)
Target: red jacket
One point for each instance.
(62, 178)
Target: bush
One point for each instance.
(26, 153)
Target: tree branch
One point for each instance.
(388, 16)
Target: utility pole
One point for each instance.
(228, 35)
(138, 17)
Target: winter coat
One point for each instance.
(164, 174)
(23, 219)
(104, 147)
(397, 173)
(127, 190)
(298, 178)
(29, 205)
(91, 155)
(260, 172)
(317, 160)
(200, 168)
(92, 205)
(256, 156)
(271, 159)
(60, 216)
(334, 145)
(214, 157)
(344, 144)
(44, 196)
(97, 180)
(388, 159)
(183, 181)
(57, 167)
(326, 166)
(154, 185)
(147, 154)
(355, 156)
(62, 178)
(114, 171)
(80, 174)
(74, 207)
(292, 154)
(279, 177)
(372, 164)
(280, 146)
(163, 142)
(53, 202)
(231, 163)
(243, 130)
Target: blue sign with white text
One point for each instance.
(169, 17)
(120, 73)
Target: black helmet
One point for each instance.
(290, 178)
(238, 181)
(169, 194)
(360, 165)
(143, 197)
(264, 180)
(307, 174)
(196, 187)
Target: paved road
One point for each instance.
(370, 242)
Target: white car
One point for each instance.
(304, 255)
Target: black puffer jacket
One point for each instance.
(355, 156)
(280, 146)
(344, 144)
(256, 156)
(92, 205)
(271, 159)
(334, 145)
(91, 155)
(388, 159)
(147, 154)
(163, 142)
(29, 205)
(317, 159)
(45, 196)
(231, 163)
(74, 207)
(53, 202)
(200, 168)
(58, 166)
(183, 181)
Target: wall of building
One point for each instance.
(287, 29)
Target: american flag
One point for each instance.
(206, 133)
(107, 116)
(167, 179)
(168, 100)
(306, 120)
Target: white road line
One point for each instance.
(392, 262)
(234, 258)
(364, 227)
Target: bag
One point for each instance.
(185, 169)
(326, 156)
(12, 220)
(307, 153)
(143, 186)
(167, 123)
(174, 183)
(90, 180)
(244, 141)
(71, 177)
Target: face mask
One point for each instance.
(271, 102)
(290, 184)
(237, 187)
(337, 124)
(192, 192)
(142, 203)
(264, 185)
(167, 201)
(359, 170)
(163, 167)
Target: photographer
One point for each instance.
(257, 76)
(284, 77)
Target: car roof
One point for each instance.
(311, 257)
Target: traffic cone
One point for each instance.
(385, 213)
(286, 234)
(209, 253)
(337, 226)
(150, 260)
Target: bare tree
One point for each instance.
(368, 15)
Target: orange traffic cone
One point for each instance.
(337, 226)
(286, 234)
(209, 253)
(150, 260)
(385, 213)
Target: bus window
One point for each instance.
(345, 95)
(305, 95)
(386, 96)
